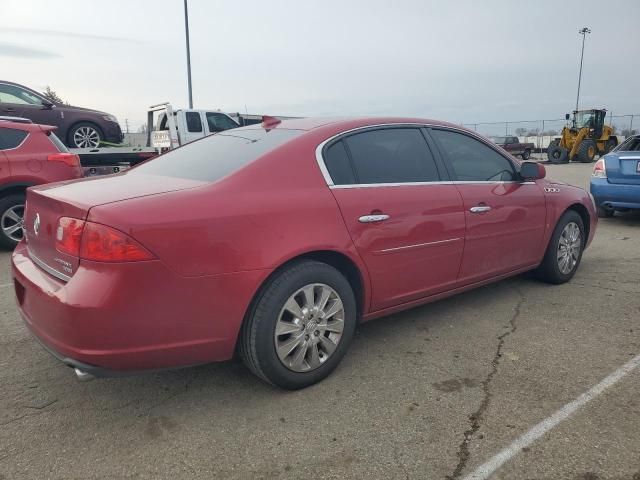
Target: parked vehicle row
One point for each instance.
(275, 240)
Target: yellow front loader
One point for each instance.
(586, 136)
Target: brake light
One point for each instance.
(599, 169)
(97, 242)
(69, 235)
(70, 159)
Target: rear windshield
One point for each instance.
(58, 143)
(216, 156)
(631, 144)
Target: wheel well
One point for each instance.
(584, 214)
(13, 189)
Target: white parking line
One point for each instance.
(485, 470)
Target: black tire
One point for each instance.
(257, 338)
(587, 151)
(610, 145)
(605, 212)
(15, 203)
(526, 155)
(549, 270)
(97, 136)
(556, 154)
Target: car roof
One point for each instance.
(19, 123)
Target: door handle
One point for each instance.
(480, 209)
(373, 218)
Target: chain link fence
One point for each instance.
(541, 132)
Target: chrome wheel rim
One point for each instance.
(569, 247)
(12, 222)
(86, 137)
(309, 327)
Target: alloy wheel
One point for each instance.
(569, 246)
(12, 222)
(86, 137)
(309, 327)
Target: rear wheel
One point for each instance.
(300, 326)
(610, 145)
(587, 151)
(11, 220)
(557, 154)
(526, 154)
(564, 252)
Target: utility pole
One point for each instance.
(583, 32)
(186, 32)
(126, 122)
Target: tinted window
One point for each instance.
(472, 160)
(393, 155)
(219, 122)
(216, 156)
(11, 138)
(13, 94)
(194, 123)
(337, 162)
(631, 144)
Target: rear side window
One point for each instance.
(11, 138)
(393, 155)
(472, 160)
(194, 122)
(219, 122)
(58, 143)
(337, 162)
(218, 155)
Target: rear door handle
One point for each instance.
(480, 209)
(373, 218)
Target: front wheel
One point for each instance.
(85, 135)
(11, 220)
(300, 327)
(556, 154)
(564, 252)
(526, 155)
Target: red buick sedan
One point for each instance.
(276, 240)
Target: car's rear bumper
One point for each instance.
(615, 195)
(112, 319)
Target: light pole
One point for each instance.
(583, 32)
(186, 33)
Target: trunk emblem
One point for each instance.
(36, 224)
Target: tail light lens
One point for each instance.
(97, 242)
(599, 169)
(70, 159)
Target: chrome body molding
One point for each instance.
(47, 268)
(418, 245)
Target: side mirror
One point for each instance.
(532, 171)
(567, 116)
(47, 105)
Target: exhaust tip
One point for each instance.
(83, 376)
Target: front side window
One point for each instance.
(13, 94)
(11, 138)
(472, 160)
(219, 122)
(391, 155)
(194, 122)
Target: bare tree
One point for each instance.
(521, 131)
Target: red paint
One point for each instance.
(216, 243)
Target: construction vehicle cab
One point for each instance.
(586, 136)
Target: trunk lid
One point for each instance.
(46, 204)
(623, 167)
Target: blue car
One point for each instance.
(615, 181)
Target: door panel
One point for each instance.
(414, 253)
(508, 234)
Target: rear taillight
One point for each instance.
(599, 169)
(70, 159)
(97, 242)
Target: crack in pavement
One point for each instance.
(474, 419)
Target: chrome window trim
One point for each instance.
(329, 180)
(47, 268)
(20, 144)
(413, 184)
(630, 157)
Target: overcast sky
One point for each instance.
(463, 61)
